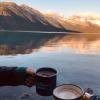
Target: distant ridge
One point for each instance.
(89, 24)
(23, 17)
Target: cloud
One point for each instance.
(89, 14)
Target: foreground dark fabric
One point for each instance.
(12, 76)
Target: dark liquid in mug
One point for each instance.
(46, 73)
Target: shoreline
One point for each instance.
(33, 31)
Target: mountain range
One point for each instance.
(23, 17)
(89, 24)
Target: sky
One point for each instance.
(64, 7)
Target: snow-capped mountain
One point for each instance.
(83, 19)
(83, 23)
(23, 17)
(80, 23)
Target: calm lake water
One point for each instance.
(76, 58)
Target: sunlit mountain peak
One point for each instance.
(7, 3)
(84, 18)
(54, 14)
(93, 15)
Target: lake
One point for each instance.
(75, 56)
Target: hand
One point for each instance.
(30, 79)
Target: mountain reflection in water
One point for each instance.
(25, 43)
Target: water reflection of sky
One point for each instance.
(72, 68)
(76, 57)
